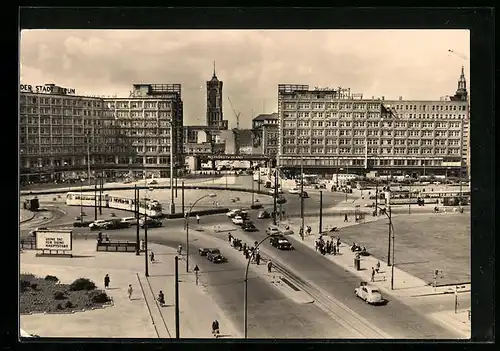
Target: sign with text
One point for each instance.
(57, 240)
(45, 89)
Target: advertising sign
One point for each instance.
(56, 240)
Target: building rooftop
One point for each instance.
(265, 116)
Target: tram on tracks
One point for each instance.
(148, 207)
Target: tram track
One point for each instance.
(335, 309)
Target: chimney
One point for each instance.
(400, 98)
(383, 97)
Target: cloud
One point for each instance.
(413, 64)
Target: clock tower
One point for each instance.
(214, 102)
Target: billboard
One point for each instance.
(56, 240)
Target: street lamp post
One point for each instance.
(87, 137)
(187, 226)
(245, 291)
(391, 236)
(136, 202)
(172, 203)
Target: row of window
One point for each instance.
(360, 162)
(67, 101)
(321, 141)
(385, 133)
(46, 120)
(288, 150)
(331, 105)
(371, 124)
(447, 107)
(134, 104)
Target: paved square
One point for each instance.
(423, 243)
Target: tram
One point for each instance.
(149, 207)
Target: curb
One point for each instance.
(446, 292)
(32, 215)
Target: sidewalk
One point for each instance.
(140, 317)
(406, 286)
(25, 215)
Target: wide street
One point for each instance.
(271, 314)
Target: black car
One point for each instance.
(150, 223)
(249, 227)
(304, 194)
(280, 242)
(206, 251)
(216, 258)
(281, 200)
(263, 215)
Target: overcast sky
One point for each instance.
(413, 64)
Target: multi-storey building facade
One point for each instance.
(265, 134)
(60, 131)
(147, 118)
(332, 128)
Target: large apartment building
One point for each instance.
(61, 131)
(265, 134)
(332, 128)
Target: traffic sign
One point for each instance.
(196, 269)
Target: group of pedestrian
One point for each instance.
(107, 280)
(250, 252)
(329, 246)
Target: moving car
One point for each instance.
(249, 227)
(116, 224)
(99, 224)
(150, 223)
(272, 230)
(153, 182)
(293, 191)
(263, 215)
(205, 251)
(238, 220)
(280, 242)
(287, 232)
(216, 258)
(280, 191)
(233, 213)
(130, 220)
(368, 293)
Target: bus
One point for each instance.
(149, 207)
(448, 198)
(402, 197)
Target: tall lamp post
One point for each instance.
(171, 176)
(187, 226)
(302, 197)
(391, 236)
(245, 291)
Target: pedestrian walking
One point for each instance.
(257, 259)
(107, 238)
(373, 275)
(152, 256)
(106, 281)
(247, 254)
(377, 269)
(179, 249)
(230, 237)
(269, 266)
(345, 218)
(334, 250)
(129, 291)
(197, 219)
(215, 328)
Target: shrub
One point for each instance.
(100, 297)
(82, 284)
(69, 304)
(59, 307)
(59, 295)
(34, 286)
(51, 278)
(24, 285)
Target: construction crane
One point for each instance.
(237, 114)
(458, 54)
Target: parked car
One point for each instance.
(287, 232)
(249, 227)
(280, 191)
(272, 230)
(216, 258)
(293, 191)
(368, 293)
(150, 223)
(116, 224)
(205, 251)
(238, 220)
(153, 182)
(280, 242)
(263, 215)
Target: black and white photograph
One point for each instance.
(245, 184)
